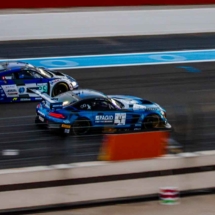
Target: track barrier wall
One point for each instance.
(77, 183)
(106, 23)
(95, 3)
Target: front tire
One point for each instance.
(81, 127)
(60, 88)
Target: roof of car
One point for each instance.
(88, 93)
(12, 65)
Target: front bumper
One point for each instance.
(168, 126)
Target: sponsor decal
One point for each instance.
(56, 105)
(38, 98)
(66, 121)
(15, 93)
(43, 88)
(41, 118)
(66, 131)
(25, 99)
(120, 119)
(65, 126)
(42, 114)
(12, 90)
(152, 108)
(137, 129)
(104, 118)
(21, 90)
(10, 86)
(139, 107)
(138, 125)
(14, 99)
(8, 77)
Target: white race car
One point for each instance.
(17, 77)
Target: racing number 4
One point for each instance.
(120, 118)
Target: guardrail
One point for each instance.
(71, 185)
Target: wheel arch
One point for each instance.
(84, 118)
(57, 83)
(150, 115)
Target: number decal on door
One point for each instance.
(120, 118)
(43, 88)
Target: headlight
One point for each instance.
(74, 83)
(163, 113)
(65, 103)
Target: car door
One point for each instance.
(83, 109)
(103, 113)
(29, 78)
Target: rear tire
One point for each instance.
(151, 121)
(81, 126)
(60, 88)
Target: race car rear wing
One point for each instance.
(50, 102)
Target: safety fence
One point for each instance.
(23, 144)
(96, 3)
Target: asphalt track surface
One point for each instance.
(186, 93)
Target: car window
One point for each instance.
(102, 105)
(44, 72)
(2, 67)
(26, 74)
(83, 105)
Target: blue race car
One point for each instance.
(81, 111)
(17, 77)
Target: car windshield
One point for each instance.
(44, 73)
(116, 103)
(67, 98)
(1, 67)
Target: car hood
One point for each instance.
(61, 75)
(136, 103)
